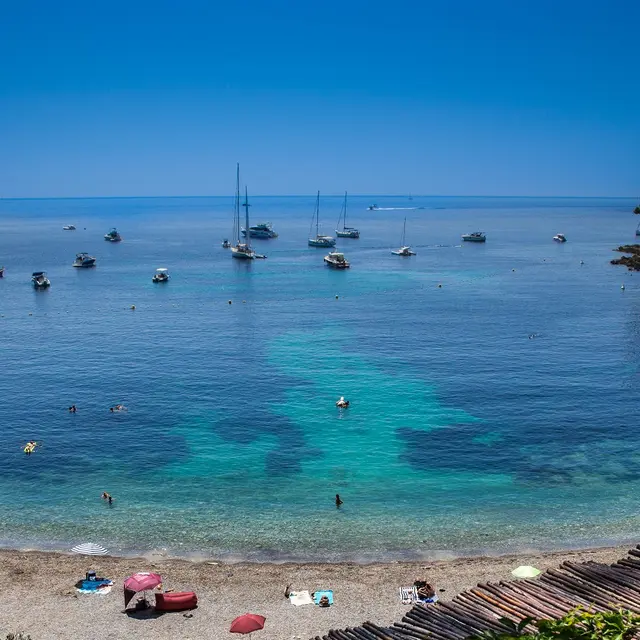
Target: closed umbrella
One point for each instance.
(89, 549)
(247, 623)
(526, 572)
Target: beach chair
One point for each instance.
(408, 595)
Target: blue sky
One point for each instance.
(454, 97)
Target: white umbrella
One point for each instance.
(89, 549)
(525, 572)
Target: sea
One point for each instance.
(494, 388)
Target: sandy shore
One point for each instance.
(39, 598)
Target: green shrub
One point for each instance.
(578, 624)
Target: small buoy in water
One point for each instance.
(622, 287)
(581, 261)
(229, 301)
(336, 297)
(30, 313)
(244, 302)
(133, 307)
(512, 269)
(439, 286)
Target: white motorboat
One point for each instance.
(336, 260)
(262, 230)
(161, 275)
(476, 236)
(404, 250)
(559, 237)
(319, 240)
(113, 236)
(40, 280)
(69, 227)
(84, 260)
(345, 232)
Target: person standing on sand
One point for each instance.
(338, 501)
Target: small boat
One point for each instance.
(226, 244)
(342, 403)
(336, 260)
(638, 230)
(373, 207)
(559, 237)
(40, 280)
(319, 240)
(69, 227)
(161, 275)
(84, 260)
(261, 230)
(113, 236)
(345, 232)
(241, 250)
(404, 250)
(1, 272)
(476, 236)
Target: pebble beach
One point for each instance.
(39, 597)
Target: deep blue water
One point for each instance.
(465, 435)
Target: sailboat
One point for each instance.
(319, 240)
(404, 249)
(345, 232)
(241, 250)
(638, 229)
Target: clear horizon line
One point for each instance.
(304, 195)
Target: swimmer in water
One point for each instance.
(72, 408)
(338, 501)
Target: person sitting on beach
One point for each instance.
(324, 602)
(425, 590)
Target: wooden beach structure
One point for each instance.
(601, 587)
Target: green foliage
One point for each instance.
(578, 624)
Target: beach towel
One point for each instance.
(298, 598)
(408, 595)
(318, 594)
(94, 586)
(430, 600)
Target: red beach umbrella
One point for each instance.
(247, 623)
(140, 582)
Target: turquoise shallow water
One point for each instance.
(464, 435)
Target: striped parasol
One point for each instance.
(89, 549)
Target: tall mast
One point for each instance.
(404, 228)
(317, 213)
(236, 215)
(246, 206)
(344, 220)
